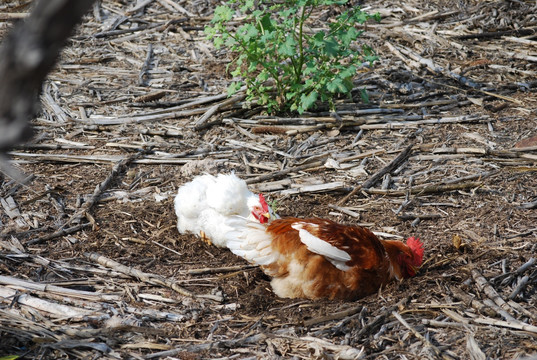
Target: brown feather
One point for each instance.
(302, 273)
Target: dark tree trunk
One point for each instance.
(27, 54)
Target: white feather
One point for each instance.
(316, 245)
(249, 240)
(229, 195)
(205, 203)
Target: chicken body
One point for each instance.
(203, 205)
(316, 258)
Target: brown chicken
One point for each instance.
(317, 258)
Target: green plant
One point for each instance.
(274, 205)
(286, 65)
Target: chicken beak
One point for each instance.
(267, 215)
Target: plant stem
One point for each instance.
(298, 68)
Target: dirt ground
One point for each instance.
(468, 191)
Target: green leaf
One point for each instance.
(288, 48)
(290, 95)
(218, 42)
(266, 24)
(348, 72)
(309, 69)
(247, 32)
(209, 31)
(233, 88)
(248, 4)
(222, 14)
(237, 71)
(318, 39)
(364, 96)
(362, 17)
(335, 2)
(349, 36)
(337, 86)
(294, 107)
(263, 99)
(331, 47)
(230, 43)
(377, 17)
(263, 76)
(307, 101)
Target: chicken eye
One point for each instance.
(256, 212)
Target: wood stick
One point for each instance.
(217, 270)
(55, 309)
(202, 122)
(437, 323)
(334, 316)
(425, 190)
(484, 286)
(80, 294)
(394, 164)
(529, 205)
(379, 319)
(416, 333)
(473, 348)
(58, 233)
(226, 344)
(280, 173)
(316, 188)
(419, 216)
(504, 314)
(508, 324)
(433, 121)
(146, 277)
(103, 159)
(344, 210)
(520, 286)
(435, 69)
(144, 71)
(522, 32)
(469, 300)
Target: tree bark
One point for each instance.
(27, 55)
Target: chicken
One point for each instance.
(317, 258)
(203, 205)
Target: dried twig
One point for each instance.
(58, 233)
(334, 316)
(427, 343)
(254, 339)
(146, 277)
(473, 349)
(24, 284)
(394, 164)
(425, 190)
(484, 285)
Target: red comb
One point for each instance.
(417, 248)
(263, 202)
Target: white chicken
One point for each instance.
(203, 205)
